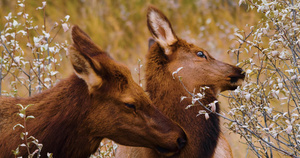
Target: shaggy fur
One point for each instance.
(99, 100)
(165, 91)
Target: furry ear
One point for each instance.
(84, 68)
(86, 58)
(161, 29)
(84, 44)
(151, 41)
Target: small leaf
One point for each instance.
(29, 105)
(22, 115)
(20, 105)
(30, 117)
(206, 116)
(182, 97)
(176, 72)
(17, 126)
(22, 135)
(289, 129)
(65, 27)
(189, 106)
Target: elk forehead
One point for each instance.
(183, 50)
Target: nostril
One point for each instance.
(241, 71)
(181, 142)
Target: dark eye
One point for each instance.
(201, 54)
(130, 106)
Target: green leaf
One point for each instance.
(29, 117)
(17, 126)
(22, 135)
(21, 114)
(49, 155)
(20, 106)
(16, 152)
(29, 105)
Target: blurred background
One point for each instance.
(119, 27)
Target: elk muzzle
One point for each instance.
(170, 151)
(169, 137)
(236, 77)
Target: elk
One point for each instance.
(166, 55)
(99, 100)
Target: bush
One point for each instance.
(30, 56)
(265, 110)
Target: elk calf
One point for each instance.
(166, 55)
(100, 100)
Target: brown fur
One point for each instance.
(163, 59)
(74, 116)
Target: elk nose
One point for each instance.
(181, 142)
(242, 72)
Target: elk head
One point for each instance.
(199, 67)
(120, 110)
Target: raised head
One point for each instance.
(121, 111)
(199, 67)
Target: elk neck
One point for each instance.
(166, 92)
(62, 112)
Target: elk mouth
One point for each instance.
(166, 152)
(236, 78)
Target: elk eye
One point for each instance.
(130, 106)
(201, 54)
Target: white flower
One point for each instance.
(206, 116)
(22, 31)
(208, 21)
(289, 129)
(212, 106)
(42, 7)
(274, 53)
(51, 49)
(248, 71)
(52, 73)
(65, 27)
(247, 96)
(21, 5)
(28, 45)
(280, 85)
(200, 95)
(67, 17)
(25, 16)
(36, 39)
(15, 23)
(289, 71)
(8, 16)
(47, 35)
(3, 38)
(194, 100)
(44, 3)
(182, 97)
(241, 1)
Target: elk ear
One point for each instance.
(83, 54)
(151, 41)
(160, 28)
(84, 68)
(84, 44)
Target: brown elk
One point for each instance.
(100, 100)
(166, 55)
